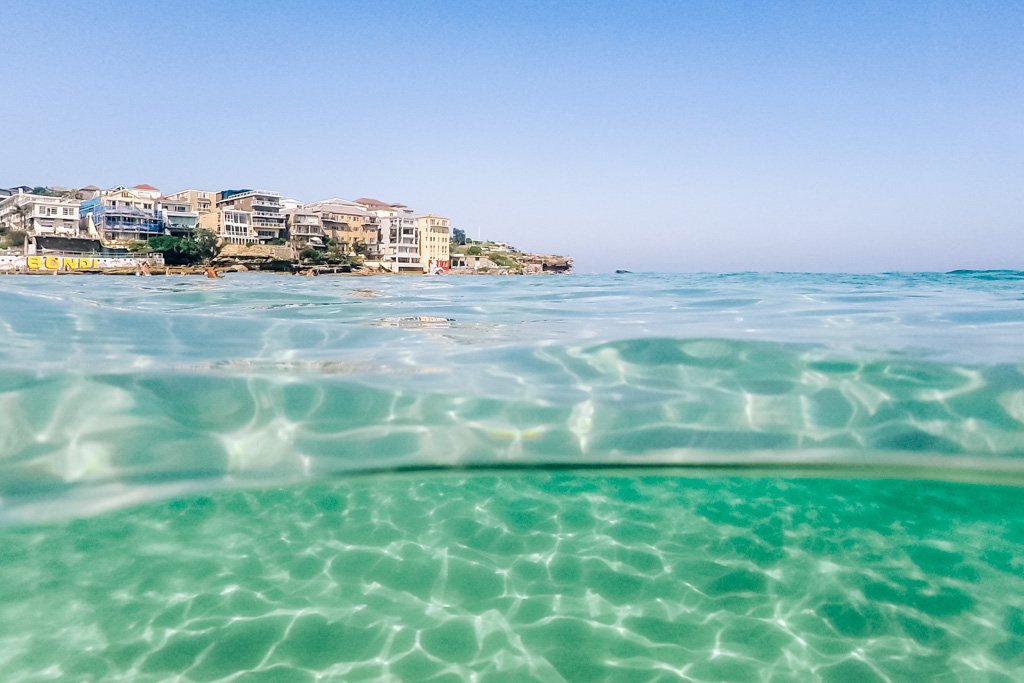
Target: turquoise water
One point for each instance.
(638, 477)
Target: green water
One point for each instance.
(453, 479)
(527, 576)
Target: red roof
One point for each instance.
(145, 187)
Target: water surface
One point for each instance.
(630, 477)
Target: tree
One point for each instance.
(312, 255)
(458, 236)
(198, 247)
(23, 213)
(474, 250)
(206, 243)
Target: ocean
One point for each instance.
(631, 477)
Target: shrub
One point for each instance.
(503, 260)
(312, 255)
(183, 251)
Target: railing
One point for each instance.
(129, 226)
(127, 211)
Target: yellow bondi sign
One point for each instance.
(59, 263)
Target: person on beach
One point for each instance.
(211, 273)
(146, 270)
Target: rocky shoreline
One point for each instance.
(268, 261)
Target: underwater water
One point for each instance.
(777, 477)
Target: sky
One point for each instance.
(648, 136)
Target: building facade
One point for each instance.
(199, 201)
(268, 223)
(230, 225)
(397, 245)
(435, 242)
(124, 214)
(38, 215)
(347, 223)
(304, 228)
(179, 220)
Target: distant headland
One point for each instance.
(88, 229)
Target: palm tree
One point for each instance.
(23, 213)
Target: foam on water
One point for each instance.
(116, 393)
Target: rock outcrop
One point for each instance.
(256, 257)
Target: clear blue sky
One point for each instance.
(643, 135)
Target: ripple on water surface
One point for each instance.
(117, 392)
(549, 577)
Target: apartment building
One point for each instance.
(347, 223)
(199, 201)
(397, 237)
(304, 227)
(38, 215)
(267, 221)
(123, 214)
(179, 220)
(230, 225)
(435, 242)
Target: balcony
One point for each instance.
(125, 211)
(266, 201)
(268, 224)
(268, 214)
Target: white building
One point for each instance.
(398, 243)
(264, 208)
(178, 219)
(230, 225)
(39, 215)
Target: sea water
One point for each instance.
(745, 477)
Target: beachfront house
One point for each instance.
(269, 225)
(38, 215)
(347, 223)
(179, 219)
(397, 245)
(304, 227)
(198, 201)
(124, 214)
(231, 226)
